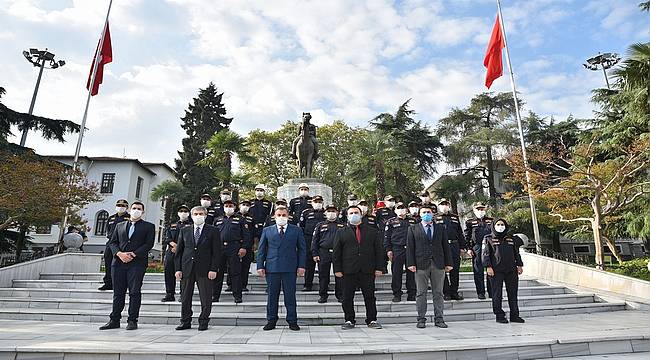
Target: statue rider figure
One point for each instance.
(306, 117)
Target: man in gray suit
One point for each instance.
(429, 257)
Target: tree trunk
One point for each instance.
(490, 168)
(595, 227)
(612, 246)
(380, 180)
(20, 242)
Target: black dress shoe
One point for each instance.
(228, 289)
(132, 325)
(168, 298)
(322, 300)
(397, 298)
(215, 299)
(238, 300)
(441, 324)
(410, 298)
(294, 327)
(421, 325)
(481, 296)
(517, 320)
(447, 297)
(502, 320)
(457, 297)
(105, 287)
(110, 325)
(306, 288)
(203, 327)
(184, 326)
(269, 326)
(245, 290)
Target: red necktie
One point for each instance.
(358, 233)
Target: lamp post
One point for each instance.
(41, 59)
(606, 61)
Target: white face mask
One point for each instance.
(243, 209)
(224, 197)
(443, 209)
(198, 219)
(206, 203)
(183, 215)
(414, 210)
(390, 204)
(400, 212)
(425, 199)
(136, 214)
(259, 194)
(228, 211)
(352, 202)
(479, 213)
(364, 209)
(317, 205)
(281, 220)
(499, 228)
(120, 209)
(304, 192)
(331, 215)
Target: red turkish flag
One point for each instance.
(105, 57)
(493, 58)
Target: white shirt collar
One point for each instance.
(284, 227)
(200, 227)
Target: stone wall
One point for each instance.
(60, 263)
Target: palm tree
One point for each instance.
(635, 70)
(49, 128)
(375, 154)
(222, 148)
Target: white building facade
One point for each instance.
(117, 178)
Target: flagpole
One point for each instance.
(96, 61)
(531, 199)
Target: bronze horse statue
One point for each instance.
(305, 147)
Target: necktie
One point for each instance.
(282, 231)
(197, 235)
(131, 229)
(429, 234)
(358, 234)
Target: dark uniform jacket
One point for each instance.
(202, 256)
(351, 257)
(370, 220)
(383, 215)
(451, 223)
(308, 221)
(501, 251)
(298, 205)
(113, 220)
(250, 226)
(141, 242)
(171, 232)
(260, 210)
(395, 233)
(420, 251)
(475, 231)
(323, 237)
(234, 233)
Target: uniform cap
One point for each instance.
(122, 202)
(206, 195)
(303, 186)
(414, 203)
(317, 198)
(400, 205)
(479, 204)
(331, 206)
(389, 198)
(230, 202)
(183, 207)
(379, 204)
(245, 202)
(280, 201)
(443, 200)
(363, 202)
(260, 187)
(424, 193)
(225, 192)
(352, 197)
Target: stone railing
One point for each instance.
(61, 263)
(555, 270)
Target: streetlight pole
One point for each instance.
(606, 61)
(38, 58)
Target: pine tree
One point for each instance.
(204, 117)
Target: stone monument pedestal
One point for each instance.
(316, 187)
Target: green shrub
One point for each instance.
(636, 268)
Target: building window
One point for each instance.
(607, 250)
(44, 229)
(101, 223)
(108, 180)
(138, 188)
(581, 249)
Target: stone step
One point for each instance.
(260, 306)
(333, 318)
(155, 285)
(312, 296)
(252, 277)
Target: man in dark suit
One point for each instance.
(429, 257)
(197, 260)
(130, 242)
(358, 257)
(280, 257)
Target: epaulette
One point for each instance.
(173, 226)
(340, 225)
(371, 217)
(113, 217)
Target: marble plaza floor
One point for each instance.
(569, 336)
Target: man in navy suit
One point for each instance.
(281, 257)
(130, 243)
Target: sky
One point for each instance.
(275, 59)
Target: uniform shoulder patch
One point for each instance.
(340, 225)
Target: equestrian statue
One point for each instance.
(305, 147)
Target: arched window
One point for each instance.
(101, 223)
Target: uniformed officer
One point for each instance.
(206, 202)
(224, 196)
(270, 220)
(425, 200)
(119, 216)
(308, 220)
(395, 232)
(298, 204)
(503, 262)
(451, 223)
(244, 210)
(322, 247)
(386, 212)
(169, 247)
(260, 209)
(475, 231)
(343, 215)
(236, 239)
(414, 211)
(366, 217)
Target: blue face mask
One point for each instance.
(428, 217)
(354, 219)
